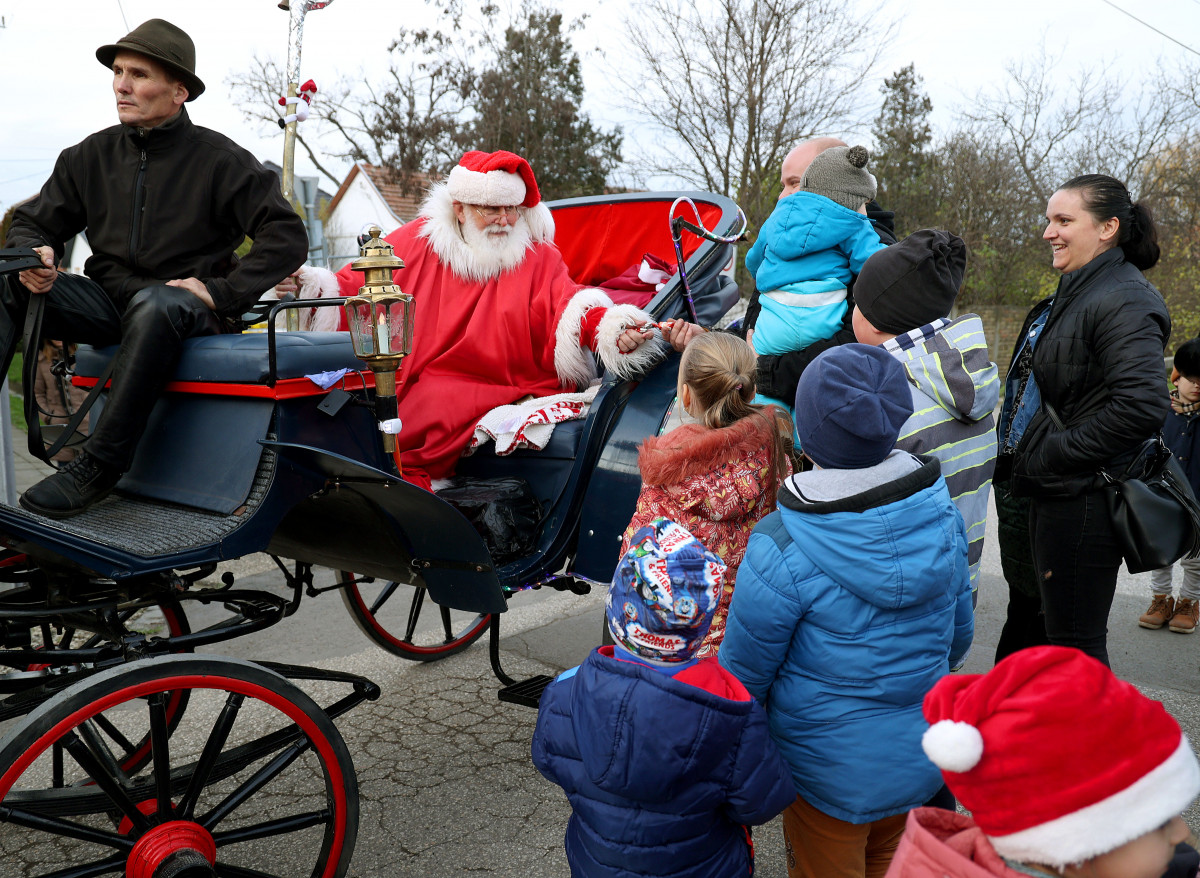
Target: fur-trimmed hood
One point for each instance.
(442, 230)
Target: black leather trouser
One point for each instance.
(150, 329)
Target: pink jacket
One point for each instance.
(944, 844)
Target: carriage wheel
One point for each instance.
(256, 781)
(390, 614)
(130, 755)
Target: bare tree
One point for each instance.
(735, 84)
(255, 92)
(406, 122)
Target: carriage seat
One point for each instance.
(242, 358)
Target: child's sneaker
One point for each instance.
(1162, 608)
(1186, 614)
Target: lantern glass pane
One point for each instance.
(362, 327)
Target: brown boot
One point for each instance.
(1186, 614)
(1162, 608)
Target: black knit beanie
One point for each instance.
(912, 282)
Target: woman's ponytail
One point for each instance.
(1141, 248)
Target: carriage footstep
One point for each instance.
(526, 693)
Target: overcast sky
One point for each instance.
(58, 92)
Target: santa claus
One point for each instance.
(497, 316)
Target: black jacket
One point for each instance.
(778, 375)
(167, 203)
(1099, 364)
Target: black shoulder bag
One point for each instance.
(1154, 511)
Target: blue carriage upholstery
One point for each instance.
(244, 358)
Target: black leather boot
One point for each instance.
(72, 489)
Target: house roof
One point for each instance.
(403, 206)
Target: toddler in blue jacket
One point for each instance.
(810, 248)
(666, 759)
(853, 600)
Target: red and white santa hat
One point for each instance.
(1057, 760)
(497, 179)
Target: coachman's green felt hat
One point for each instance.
(167, 44)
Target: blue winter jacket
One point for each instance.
(809, 245)
(663, 773)
(845, 614)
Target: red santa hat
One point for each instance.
(498, 179)
(1057, 760)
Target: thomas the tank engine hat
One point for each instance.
(167, 44)
(664, 593)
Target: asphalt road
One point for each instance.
(445, 780)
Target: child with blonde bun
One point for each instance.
(716, 477)
(1067, 771)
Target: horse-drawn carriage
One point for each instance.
(125, 748)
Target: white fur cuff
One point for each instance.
(636, 363)
(490, 188)
(572, 359)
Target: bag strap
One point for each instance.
(32, 342)
(1053, 415)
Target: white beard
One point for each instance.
(474, 257)
(502, 246)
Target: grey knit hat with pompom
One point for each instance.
(840, 174)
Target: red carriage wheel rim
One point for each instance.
(200, 681)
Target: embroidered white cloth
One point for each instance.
(529, 424)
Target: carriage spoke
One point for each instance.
(160, 750)
(106, 725)
(388, 591)
(282, 826)
(414, 612)
(101, 751)
(260, 779)
(446, 623)
(106, 781)
(56, 766)
(64, 828)
(208, 758)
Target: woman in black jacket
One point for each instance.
(1097, 365)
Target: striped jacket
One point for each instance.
(955, 388)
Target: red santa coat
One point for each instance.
(487, 332)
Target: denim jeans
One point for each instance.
(1077, 559)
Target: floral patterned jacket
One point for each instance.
(716, 483)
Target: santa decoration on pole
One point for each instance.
(498, 317)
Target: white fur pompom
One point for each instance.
(953, 746)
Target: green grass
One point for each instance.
(15, 403)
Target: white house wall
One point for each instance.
(360, 205)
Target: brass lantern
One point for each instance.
(380, 319)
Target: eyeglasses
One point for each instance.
(492, 213)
